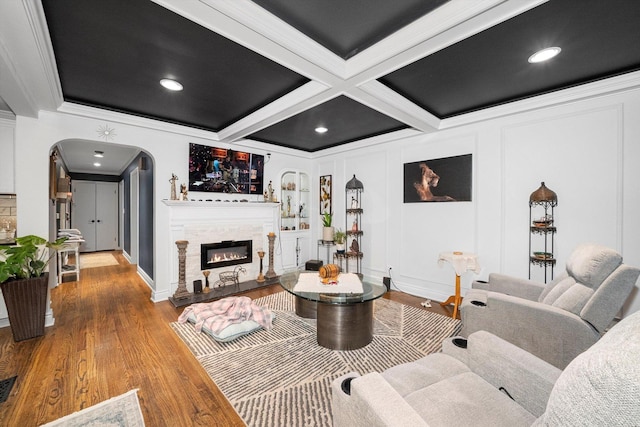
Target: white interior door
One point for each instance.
(106, 216)
(83, 213)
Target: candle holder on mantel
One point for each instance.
(206, 281)
(260, 278)
(181, 292)
(271, 272)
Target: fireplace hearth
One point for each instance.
(225, 253)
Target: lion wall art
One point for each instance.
(438, 180)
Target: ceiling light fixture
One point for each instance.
(544, 54)
(96, 164)
(171, 84)
(98, 153)
(321, 129)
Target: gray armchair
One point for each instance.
(558, 321)
(494, 383)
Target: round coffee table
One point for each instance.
(344, 320)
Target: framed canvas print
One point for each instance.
(325, 194)
(438, 180)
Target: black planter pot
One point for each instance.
(26, 301)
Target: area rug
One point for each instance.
(119, 411)
(97, 259)
(283, 377)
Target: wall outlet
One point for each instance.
(387, 282)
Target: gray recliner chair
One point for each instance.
(557, 321)
(494, 383)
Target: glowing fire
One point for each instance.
(226, 256)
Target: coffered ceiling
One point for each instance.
(274, 70)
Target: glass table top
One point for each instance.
(370, 291)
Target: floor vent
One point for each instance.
(5, 388)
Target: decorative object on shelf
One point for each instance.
(354, 203)
(270, 271)
(542, 226)
(270, 190)
(181, 292)
(325, 194)
(339, 237)
(184, 194)
(206, 281)
(438, 180)
(25, 284)
(174, 194)
(197, 286)
(229, 277)
(295, 196)
(327, 229)
(355, 247)
(260, 278)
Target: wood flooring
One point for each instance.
(109, 338)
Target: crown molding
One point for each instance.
(128, 119)
(622, 83)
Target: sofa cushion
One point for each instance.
(587, 267)
(409, 377)
(467, 400)
(591, 264)
(602, 385)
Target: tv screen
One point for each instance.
(220, 170)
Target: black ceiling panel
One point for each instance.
(347, 27)
(598, 39)
(346, 119)
(112, 54)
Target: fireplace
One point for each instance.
(225, 253)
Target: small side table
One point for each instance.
(461, 262)
(63, 260)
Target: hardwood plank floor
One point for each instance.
(109, 338)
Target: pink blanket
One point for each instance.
(217, 315)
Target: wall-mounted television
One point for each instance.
(220, 170)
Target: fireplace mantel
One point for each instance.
(201, 222)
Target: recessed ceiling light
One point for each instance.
(96, 164)
(98, 154)
(171, 84)
(544, 54)
(321, 129)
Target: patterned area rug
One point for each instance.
(119, 411)
(97, 259)
(283, 377)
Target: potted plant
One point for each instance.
(327, 230)
(25, 283)
(340, 238)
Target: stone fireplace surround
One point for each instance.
(210, 222)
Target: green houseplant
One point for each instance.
(340, 237)
(327, 229)
(25, 283)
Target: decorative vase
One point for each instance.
(26, 301)
(327, 234)
(340, 248)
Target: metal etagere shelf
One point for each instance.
(352, 257)
(542, 200)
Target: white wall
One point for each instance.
(587, 152)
